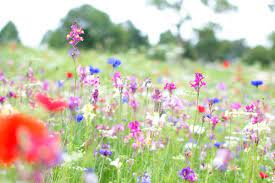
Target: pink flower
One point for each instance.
(249, 108)
(236, 106)
(198, 82)
(118, 82)
(222, 158)
(170, 87)
(134, 127)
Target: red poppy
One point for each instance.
(263, 175)
(52, 105)
(201, 109)
(25, 137)
(9, 134)
(69, 75)
(226, 64)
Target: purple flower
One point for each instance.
(134, 104)
(170, 87)
(222, 158)
(105, 152)
(156, 95)
(144, 179)
(74, 102)
(215, 120)
(133, 84)
(74, 35)
(198, 82)
(95, 95)
(188, 174)
(82, 73)
(2, 99)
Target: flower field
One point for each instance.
(96, 117)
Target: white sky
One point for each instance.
(33, 18)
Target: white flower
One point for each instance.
(116, 163)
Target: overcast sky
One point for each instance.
(33, 18)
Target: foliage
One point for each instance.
(260, 55)
(9, 33)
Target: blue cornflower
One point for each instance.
(215, 100)
(257, 83)
(94, 70)
(60, 83)
(79, 117)
(105, 152)
(218, 144)
(114, 62)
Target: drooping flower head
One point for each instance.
(188, 174)
(198, 82)
(74, 35)
(257, 83)
(114, 62)
(170, 87)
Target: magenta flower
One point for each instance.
(134, 128)
(134, 104)
(198, 82)
(215, 120)
(74, 36)
(170, 87)
(249, 108)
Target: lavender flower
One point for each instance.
(144, 179)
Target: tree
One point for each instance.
(207, 45)
(100, 31)
(9, 33)
(177, 6)
(259, 54)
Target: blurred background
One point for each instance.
(164, 30)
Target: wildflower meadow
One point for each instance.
(73, 115)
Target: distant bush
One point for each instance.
(9, 33)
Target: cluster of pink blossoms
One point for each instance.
(198, 82)
(74, 36)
